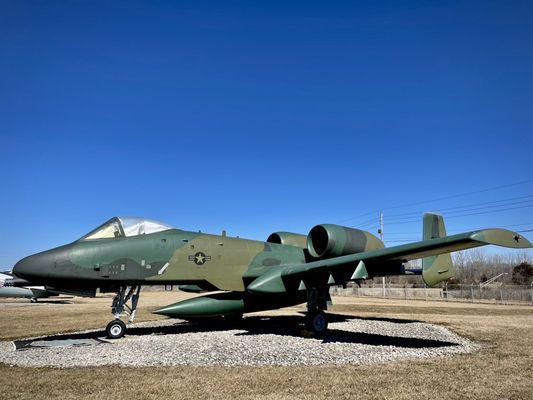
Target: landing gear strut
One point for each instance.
(317, 302)
(117, 328)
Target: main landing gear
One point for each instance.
(117, 328)
(317, 302)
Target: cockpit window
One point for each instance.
(126, 227)
(133, 226)
(111, 229)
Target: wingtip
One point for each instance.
(502, 237)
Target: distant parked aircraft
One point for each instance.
(30, 292)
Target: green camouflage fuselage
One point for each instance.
(169, 257)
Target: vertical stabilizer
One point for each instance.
(436, 269)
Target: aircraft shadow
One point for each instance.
(276, 325)
(53, 302)
(334, 317)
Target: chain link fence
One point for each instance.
(493, 293)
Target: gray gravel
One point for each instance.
(258, 341)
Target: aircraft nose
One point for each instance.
(32, 267)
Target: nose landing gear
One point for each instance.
(117, 328)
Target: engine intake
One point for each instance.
(328, 240)
(288, 238)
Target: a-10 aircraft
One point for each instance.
(124, 254)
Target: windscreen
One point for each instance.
(126, 227)
(134, 226)
(110, 229)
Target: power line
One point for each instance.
(367, 222)
(529, 196)
(462, 229)
(500, 226)
(459, 213)
(441, 198)
(369, 226)
(465, 209)
(468, 214)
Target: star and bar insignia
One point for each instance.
(199, 258)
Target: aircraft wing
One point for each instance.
(386, 261)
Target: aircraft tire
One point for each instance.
(317, 323)
(115, 329)
(33, 300)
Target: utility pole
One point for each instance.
(380, 231)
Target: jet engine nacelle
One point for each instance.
(288, 238)
(328, 240)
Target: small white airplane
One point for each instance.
(29, 292)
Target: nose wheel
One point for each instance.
(117, 328)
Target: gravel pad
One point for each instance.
(256, 341)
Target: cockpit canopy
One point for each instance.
(126, 227)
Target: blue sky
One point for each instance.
(261, 116)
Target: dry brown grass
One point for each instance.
(47, 317)
(503, 369)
